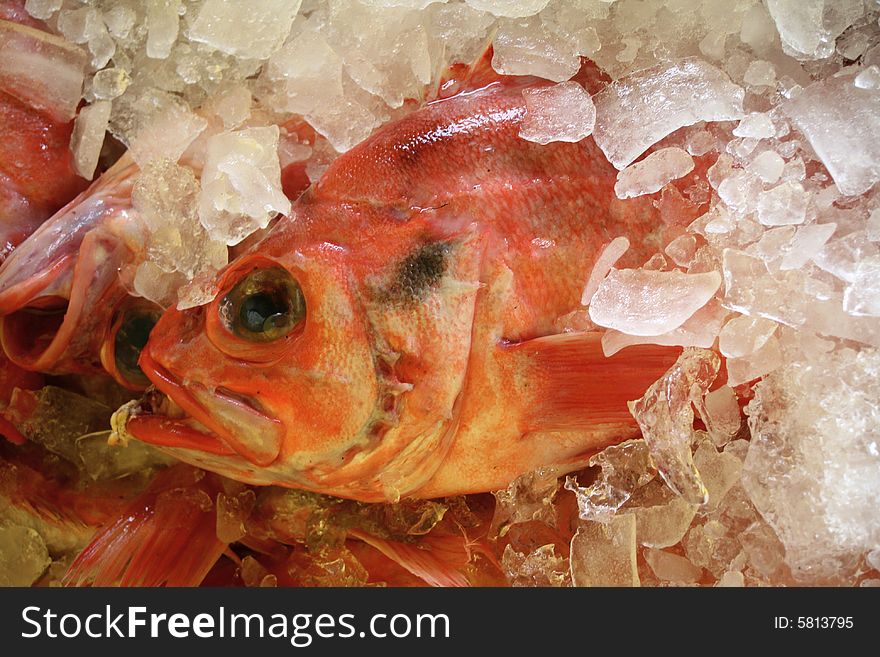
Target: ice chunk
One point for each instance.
(760, 73)
(669, 567)
(80, 25)
(700, 142)
(718, 470)
(731, 578)
(682, 249)
(610, 254)
(526, 498)
(232, 511)
(562, 112)
(306, 77)
(721, 414)
(756, 125)
(119, 20)
(103, 459)
(88, 137)
(509, 8)
(700, 330)
(808, 28)
(154, 283)
(162, 24)
(872, 229)
(23, 556)
(529, 47)
(752, 290)
(644, 302)
(869, 78)
(842, 256)
(807, 243)
(765, 552)
(54, 418)
(625, 467)
(232, 104)
(42, 9)
(665, 415)
(604, 554)
(637, 111)
(165, 129)
(41, 70)
(842, 124)
(738, 191)
(110, 83)
(757, 364)
(744, 335)
(783, 205)
(541, 567)
(811, 469)
(652, 173)
(662, 517)
(252, 30)
(241, 184)
(862, 295)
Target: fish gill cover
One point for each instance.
(753, 126)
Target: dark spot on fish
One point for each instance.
(417, 273)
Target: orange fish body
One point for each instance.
(399, 334)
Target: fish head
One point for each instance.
(62, 301)
(321, 364)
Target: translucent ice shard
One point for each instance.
(652, 173)
(604, 554)
(808, 28)
(842, 123)
(610, 254)
(669, 567)
(625, 467)
(541, 567)
(665, 415)
(254, 29)
(637, 111)
(562, 112)
(88, 137)
(241, 184)
(645, 302)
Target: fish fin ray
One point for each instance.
(435, 564)
(570, 384)
(156, 541)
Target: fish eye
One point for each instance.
(264, 306)
(134, 329)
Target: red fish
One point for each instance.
(398, 335)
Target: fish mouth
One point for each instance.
(213, 420)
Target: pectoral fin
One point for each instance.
(567, 383)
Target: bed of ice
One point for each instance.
(781, 275)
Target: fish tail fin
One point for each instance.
(167, 536)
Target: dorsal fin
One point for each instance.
(459, 78)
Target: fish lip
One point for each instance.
(225, 441)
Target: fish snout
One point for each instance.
(228, 421)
